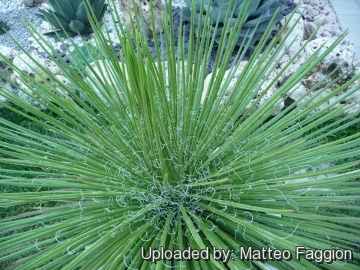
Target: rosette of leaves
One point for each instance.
(147, 164)
(71, 17)
(256, 20)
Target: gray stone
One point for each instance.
(341, 57)
(32, 66)
(264, 85)
(140, 10)
(9, 54)
(338, 63)
(309, 29)
(28, 3)
(9, 5)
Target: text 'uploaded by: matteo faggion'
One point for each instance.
(247, 254)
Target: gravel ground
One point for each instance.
(9, 5)
(16, 19)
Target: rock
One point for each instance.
(284, 59)
(309, 28)
(8, 88)
(340, 55)
(319, 32)
(207, 85)
(326, 34)
(99, 76)
(64, 80)
(266, 83)
(27, 64)
(313, 87)
(32, 3)
(294, 39)
(302, 11)
(296, 92)
(330, 19)
(338, 63)
(9, 54)
(10, 5)
(321, 19)
(28, 3)
(312, 13)
(141, 11)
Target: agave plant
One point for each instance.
(141, 167)
(72, 16)
(256, 20)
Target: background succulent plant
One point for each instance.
(72, 16)
(83, 56)
(257, 19)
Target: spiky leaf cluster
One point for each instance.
(133, 158)
(72, 16)
(256, 20)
